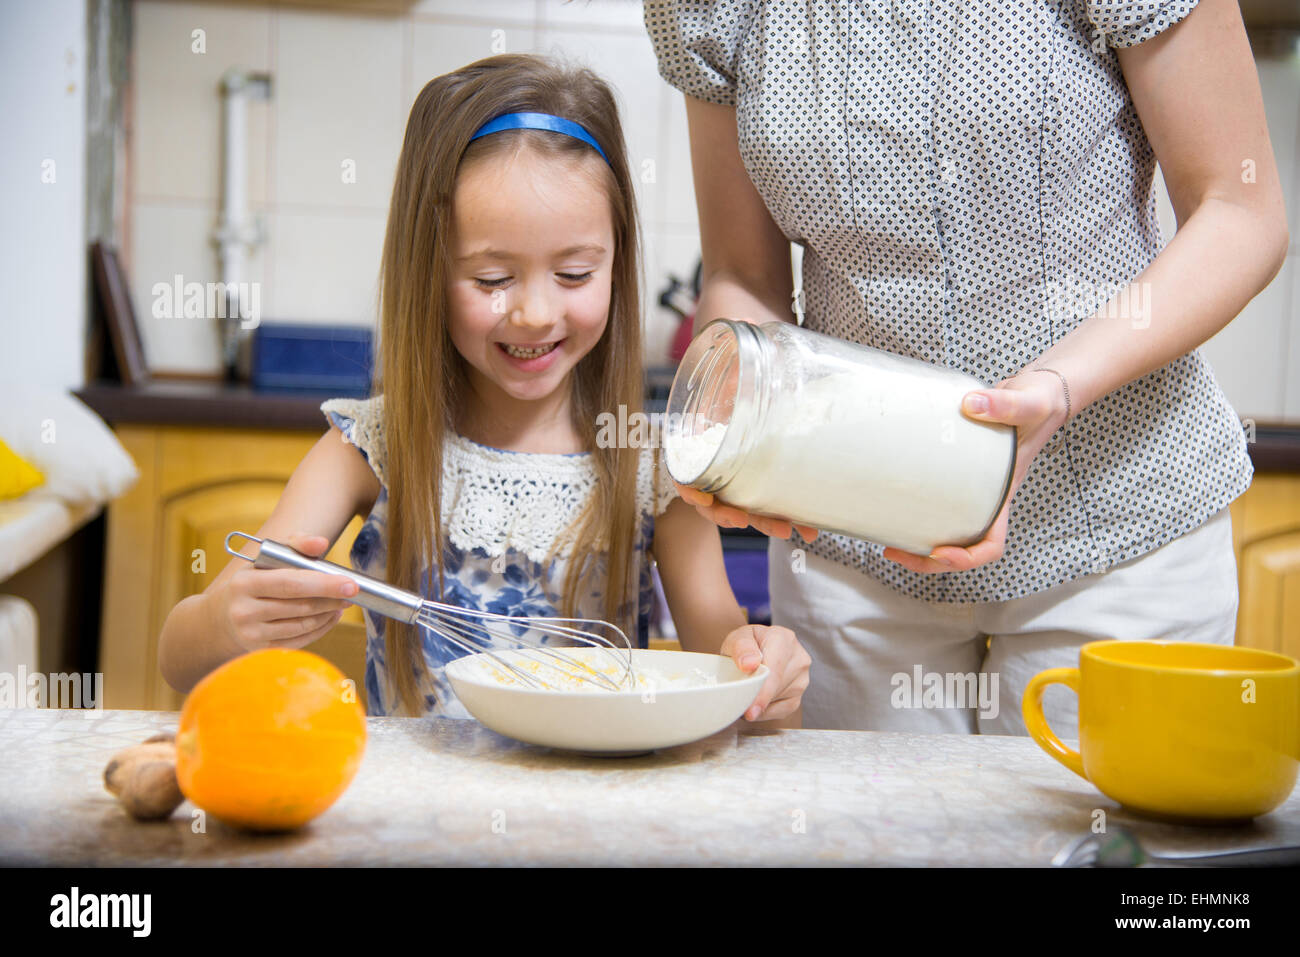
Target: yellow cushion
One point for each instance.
(16, 476)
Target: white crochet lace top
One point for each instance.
(502, 513)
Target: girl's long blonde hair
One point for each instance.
(423, 377)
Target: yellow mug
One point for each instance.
(1181, 730)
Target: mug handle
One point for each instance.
(1032, 709)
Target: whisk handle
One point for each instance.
(378, 596)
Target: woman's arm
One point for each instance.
(745, 257)
(745, 272)
(688, 550)
(245, 608)
(1197, 93)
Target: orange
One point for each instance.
(270, 740)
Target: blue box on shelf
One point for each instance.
(301, 357)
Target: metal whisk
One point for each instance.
(476, 632)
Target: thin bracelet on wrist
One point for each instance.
(1064, 385)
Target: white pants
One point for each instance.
(875, 651)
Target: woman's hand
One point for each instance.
(729, 516)
(281, 607)
(787, 662)
(1034, 402)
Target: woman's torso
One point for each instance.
(968, 183)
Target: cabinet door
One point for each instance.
(1266, 532)
(1270, 595)
(194, 528)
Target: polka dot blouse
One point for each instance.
(969, 181)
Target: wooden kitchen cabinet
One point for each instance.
(1266, 538)
(166, 541)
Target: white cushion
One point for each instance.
(32, 524)
(83, 462)
(18, 634)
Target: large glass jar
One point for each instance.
(779, 420)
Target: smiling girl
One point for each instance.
(510, 319)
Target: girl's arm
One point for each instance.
(688, 550)
(1197, 93)
(246, 608)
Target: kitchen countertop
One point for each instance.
(441, 791)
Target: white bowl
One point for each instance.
(660, 712)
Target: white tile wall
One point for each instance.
(669, 251)
(675, 165)
(326, 265)
(1280, 83)
(439, 46)
(581, 14)
(337, 100)
(624, 60)
(177, 105)
(1291, 371)
(491, 11)
(343, 85)
(171, 238)
(1249, 354)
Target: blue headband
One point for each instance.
(539, 121)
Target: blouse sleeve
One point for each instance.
(1126, 23)
(362, 423)
(697, 44)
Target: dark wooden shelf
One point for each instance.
(1276, 448)
(203, 403)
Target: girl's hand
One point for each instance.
(1034, 403)
(787, 662)
(281, 607)
(729, 516)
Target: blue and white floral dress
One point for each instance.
(501, 514)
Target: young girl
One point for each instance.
(509, 323)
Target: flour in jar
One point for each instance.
(689, 455)
(869, 454)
